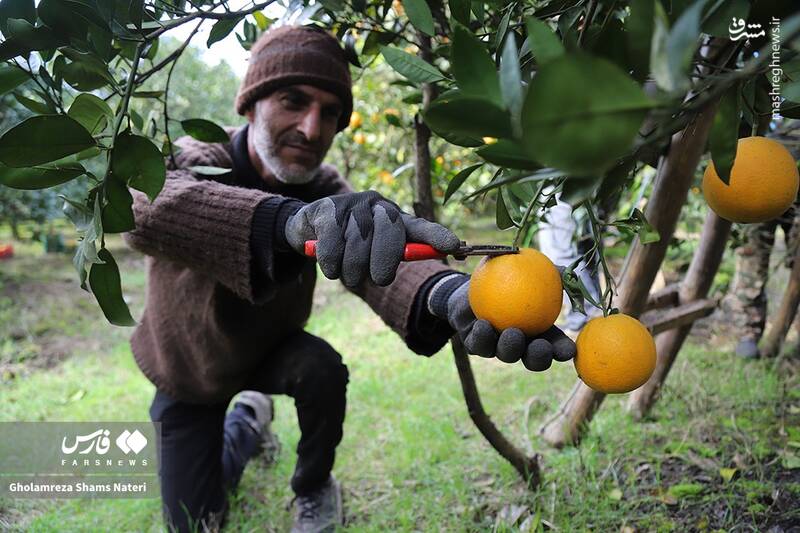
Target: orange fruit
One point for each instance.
(764, 182)
(359, 138)
(517, 291)
(386, 177)
(616, 354)
(355, 120)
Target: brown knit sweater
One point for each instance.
(213, 312)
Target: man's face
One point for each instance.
(292, 130)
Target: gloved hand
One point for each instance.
(362, 234)
(448, 300)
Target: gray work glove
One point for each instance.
(447, 299)
(362, 234)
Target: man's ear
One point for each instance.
(250, 114)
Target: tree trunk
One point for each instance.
(786, 313)
(675, 173)
(695, 286)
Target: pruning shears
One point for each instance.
(417, 251)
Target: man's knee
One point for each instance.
(320, 370)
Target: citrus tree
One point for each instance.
(544, 99)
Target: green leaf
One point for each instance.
(210, 171)
(261, 20)
(420, 15)
(11, 78)
(577, 190)
(544, 44)
(579, 131)
(77, 212)
(118, 210)
(508, 154)
(790, 110)
(221, 29)
(92, 112)
(59, 16)
(42, 139)
(374, 41)
(724, 135)
(16, 9)
(473, 67)
(136, 161)
(727, 474)
(791, 91)
(477, 9)
(639, 224)
(410, 66)
(40, 108)
(501, 213)
(517, 177)
(682, 490)
(148, 94)
(205, 130)
(615, 179)
(717, 19)
(22, 38)
(639, 26)
(85, 72)
(39, 177)
(469, 116)
(458, 180)
(679, 47)
(659, 58)
(106, 286)
(459, 10)
(615, 494)
(511, 83)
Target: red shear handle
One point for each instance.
(415, 251)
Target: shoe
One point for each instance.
(747, 349)
(320, 511)
(263, 411)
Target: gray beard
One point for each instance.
(292, 174)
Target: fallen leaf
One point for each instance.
(728, 473)
(682, 490)
(790, 461)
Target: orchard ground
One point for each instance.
(721, 450)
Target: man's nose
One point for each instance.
(310, 125)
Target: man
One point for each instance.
(558, 231)
(747, 299)
(229, 289)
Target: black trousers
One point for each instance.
(203, 451)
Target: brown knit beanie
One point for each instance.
(296, 55)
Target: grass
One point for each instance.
(411, 460)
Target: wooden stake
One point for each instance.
(675, 174)
(695, 286)
(786, 313)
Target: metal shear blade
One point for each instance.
(490, 250)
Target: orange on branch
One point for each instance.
(615, 354)
(355, 120)
(517, 291)
(763, 182)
